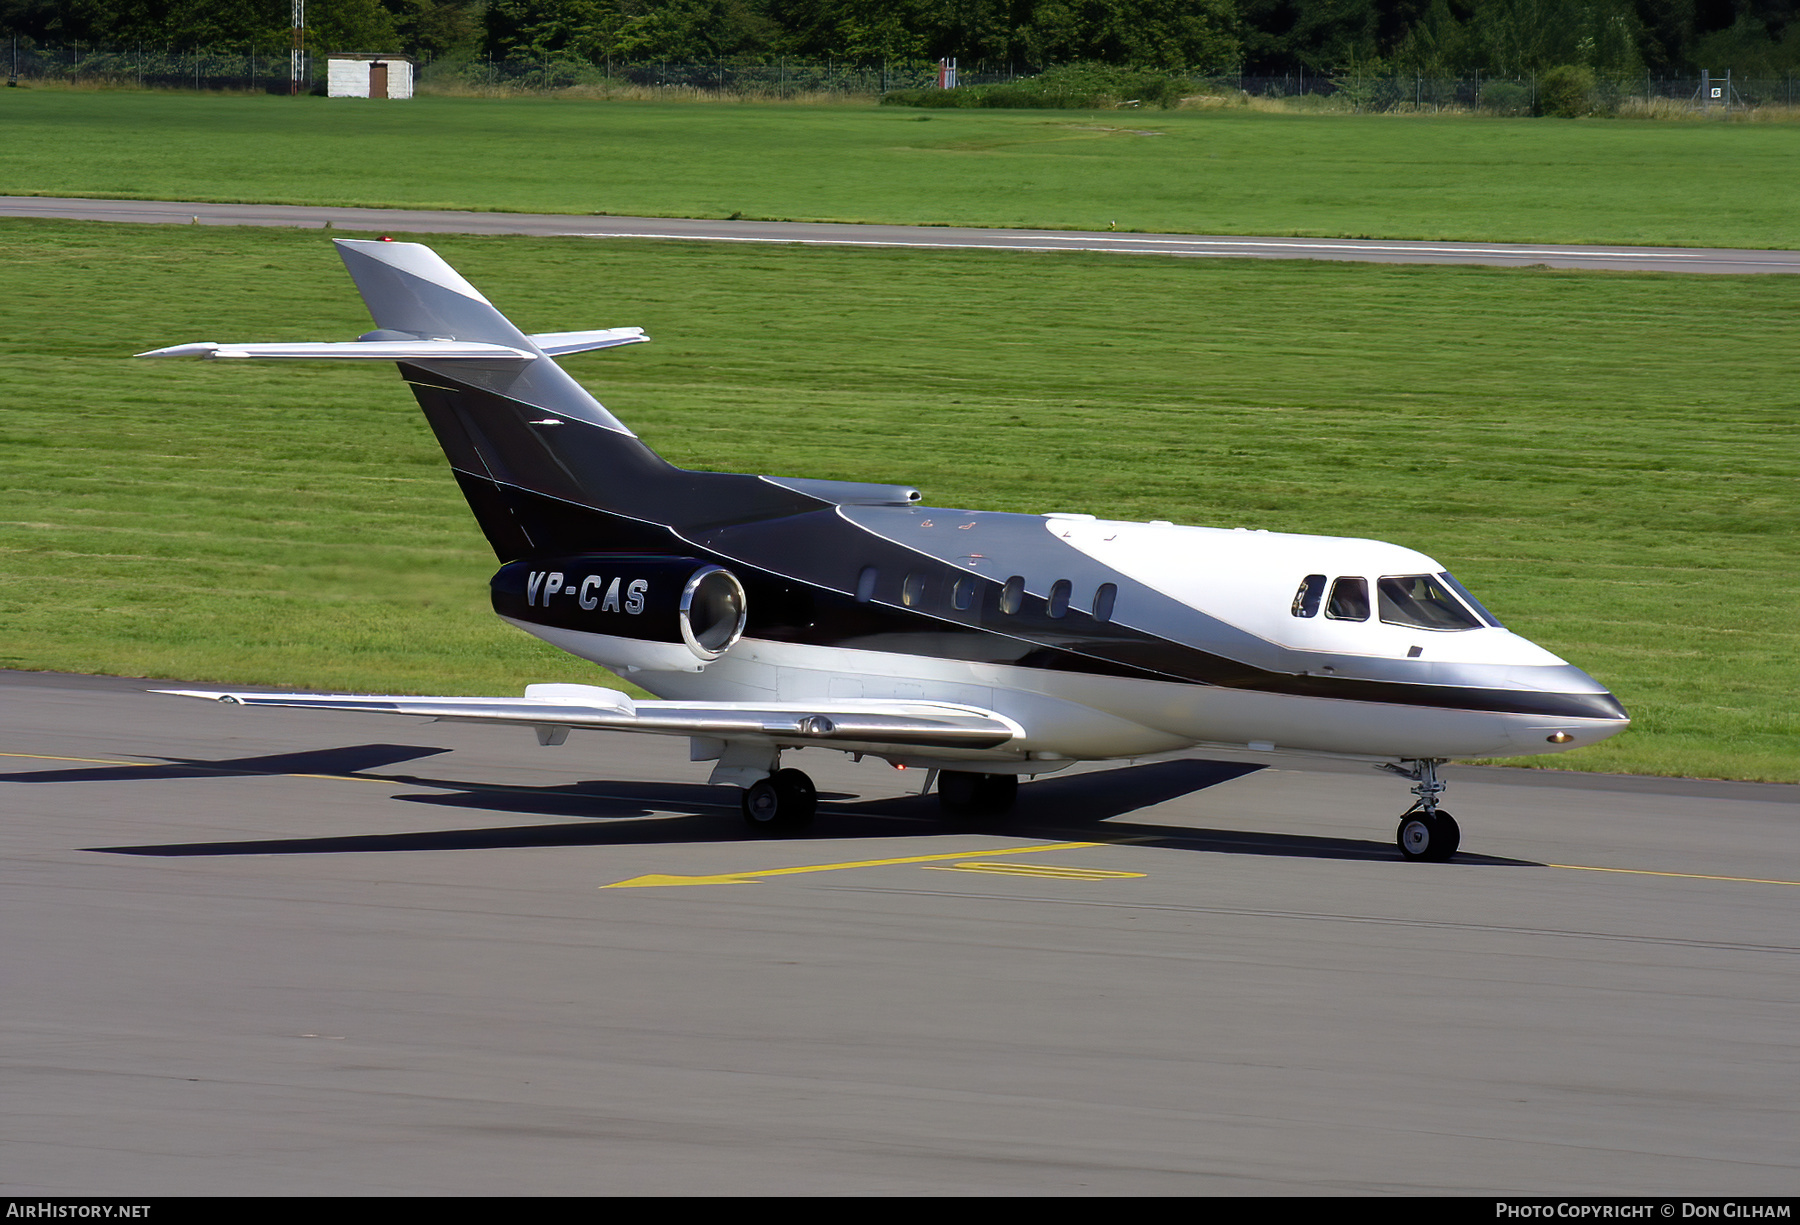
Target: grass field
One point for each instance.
(1608, 460)
(1226, 172)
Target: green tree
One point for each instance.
(1747, 49)
(1437, 45)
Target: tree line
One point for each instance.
(1436, 38)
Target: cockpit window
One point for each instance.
(1349, 600)
(1424, 602)
(1306, 600)
(1471, 601)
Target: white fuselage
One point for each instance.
(1245, 580)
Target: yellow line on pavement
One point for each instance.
(1741, 880)
(1034, 869)
(751, 878)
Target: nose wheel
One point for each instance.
(1427, 833)
(1428, 837)
(783, 803)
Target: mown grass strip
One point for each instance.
(1224, 172)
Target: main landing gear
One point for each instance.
(782, 803)
(976, 795)
(1426, 832)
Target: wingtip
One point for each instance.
(230, 698)
(204, 348)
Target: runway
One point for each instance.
(1378, 251)
(287, 952)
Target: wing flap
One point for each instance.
(868, 722)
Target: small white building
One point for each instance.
(358, 74)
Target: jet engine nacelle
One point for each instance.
(667, 612)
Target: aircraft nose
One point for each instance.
(1572, 693)
(1615, 709)
(1580, 718)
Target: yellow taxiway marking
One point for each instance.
(150, 765)
(751, 878)
(1740, 880)
(1034, 869)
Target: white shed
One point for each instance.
(360, 75)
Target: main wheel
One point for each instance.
(1428, 838)
(781, 803)
(971, 795)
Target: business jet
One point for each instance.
(775, 614)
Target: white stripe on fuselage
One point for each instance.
(1090, 717)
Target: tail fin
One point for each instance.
(497, 420)
(542, 464)
(410, 290)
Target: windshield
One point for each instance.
(1480, 610)
(1422, 601)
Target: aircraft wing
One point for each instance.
(550, 707)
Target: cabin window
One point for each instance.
(1012, 596)
(912, 591)
(963, 593)
(1421, 601)
(1059, 597)
(1306, 600)
(865, 584)
(1349, 600)
(1104, 599)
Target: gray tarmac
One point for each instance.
(293, 952)
(1377, 251)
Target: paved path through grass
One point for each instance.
(1365, 251)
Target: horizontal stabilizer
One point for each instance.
(560, 344)
(351, 350)
(865, 722)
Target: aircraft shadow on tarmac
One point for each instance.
(1075, 808)
(348, 761)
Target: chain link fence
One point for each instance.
(1500, 94)
(254, 69)
(196, 68)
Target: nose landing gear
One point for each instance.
(1426, 833)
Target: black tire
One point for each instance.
(761, 803)
(780, 804)
(1449, 836)
(976, 795)
(1427, 839)
(800, 796)
(997, 793)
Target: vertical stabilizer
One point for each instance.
(411, 291)
(544, 467)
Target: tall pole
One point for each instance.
(297, 61)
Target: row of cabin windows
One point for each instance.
(913, 590)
